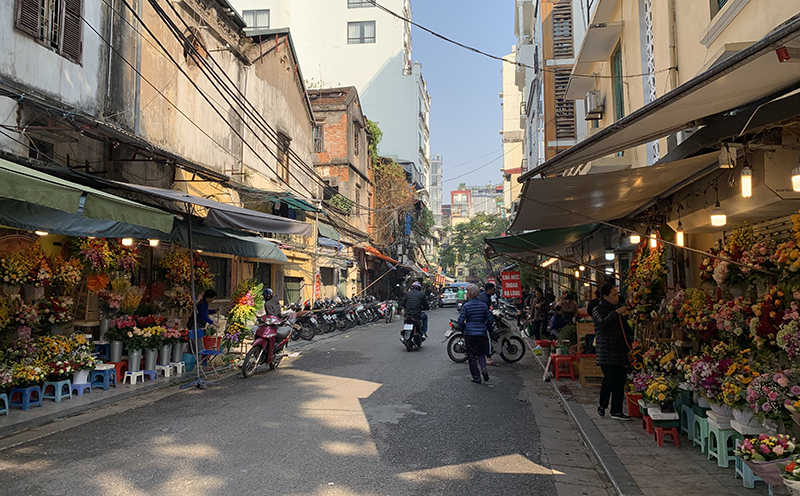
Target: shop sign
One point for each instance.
(317, 285)
(512, 287)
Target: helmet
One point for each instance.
(268, 293)
(416, 285)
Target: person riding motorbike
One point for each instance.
(414, 304)
(272, 306)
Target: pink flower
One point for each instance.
(783, 382)
(796, 390)
(773, 396)
(765, 449)
(765, 407)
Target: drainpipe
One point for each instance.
(673, 46)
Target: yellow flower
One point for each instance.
(661, 397)
(662, 387)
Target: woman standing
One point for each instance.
(611, 330)
(540, 307)
(475, 320)
(202, 311)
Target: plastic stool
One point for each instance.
(151, 374)
(80, 388)
(131, 377)
(180, 367)
(26, 397)
(672, 431)
(58, 390)
(167, 369)
(700, 433)
(4, 399)
(567, 360)
(120, 367)
(687, 421)
(647, 423)
(102, 350)
(721, 443)
(104, 377)
(740, 469)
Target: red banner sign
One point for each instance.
(492, 280)
(512, 287)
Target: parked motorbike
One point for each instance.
(504, 338)
(269, 345)
(411, 335)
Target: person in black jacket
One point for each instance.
(611, 328)
(414, 304)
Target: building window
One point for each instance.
(256, 18)
(293, 290)
(319, 138)
(616, 72)
(56, 24)
(562, 29)
(565, 109)
(283, 156)
(221, 268)
(720, 4)
(356, 141)
(360, 4)
(358, 200)
(360, 32)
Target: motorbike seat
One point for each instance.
(283, 332)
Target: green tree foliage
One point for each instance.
(467, 245)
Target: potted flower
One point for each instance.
(176, 340)
(764, 455)
(117, 332)
(769, 393)
(153, 337)
(81, 359)
(54, 313)
(210, 338)
(134, 341)
(29, 374)
(660, 391)
(734, 390)
(59, 370)
(637, 386)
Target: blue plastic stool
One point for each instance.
(102, 350)
(58, 390)
(26, 397)
(700, 433)
(4, 399)
(740, 469)
(104, 378)
(80, 388)
(152, 374)
(721, 443)
(687, 421)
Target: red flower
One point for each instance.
(790, 467)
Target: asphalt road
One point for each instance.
(354, 414)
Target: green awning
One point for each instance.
(29, 185)
(327, 231)
(219, 240)
(295, 203)
(542, 240)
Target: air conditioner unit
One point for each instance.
(594, 106)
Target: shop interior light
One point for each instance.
(609, 270)
(718, 216)
(610, 255)
(586, 284)
(548, 263)
(41, 233)
(653, 240)
(201, 251)
(581, 268)
(679, 235)
(153, 242)
(577, 273)
(635, 239)
(747, 181)
(127, 241)
(796, 178)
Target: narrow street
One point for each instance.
(352, 414)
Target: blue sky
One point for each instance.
(464, 86)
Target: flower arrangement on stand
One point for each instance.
(660, 391)
(98, 255)
(247, 299)
(27, 374)
(177, 264)
(24, 313)
(66, 272)
(769, 393)
(767, 456)
(646, 284)
(54, 311)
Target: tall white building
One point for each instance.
(353, 43)
(513, 133)
(435, 189)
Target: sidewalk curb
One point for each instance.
(618, 475)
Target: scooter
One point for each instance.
(269, 344)
(411, 335)
(504, 338)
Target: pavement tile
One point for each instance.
(578, 476)
(567, 489)
(575, 458)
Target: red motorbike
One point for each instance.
(269, 345)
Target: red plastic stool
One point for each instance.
(672, 431)
(558, 361)
(647, 424)
(120, 368)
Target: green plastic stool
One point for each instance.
(721, 443)
(700, 433)
(687, 421)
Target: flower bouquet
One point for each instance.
(769, 393)
(29, 374)
(660, 391)
(736, 381)
(766, 454)
(55, 310)
(66, 273)
(15, 269)
(180, 299)
(25, 314)
(59, 370)
(707, 375)
(791, 474)
(110, 303)
(6, 379)
(54, 348)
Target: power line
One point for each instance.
(482, 166)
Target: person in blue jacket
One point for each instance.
(203, 311)
(475, 320)
(557, 322)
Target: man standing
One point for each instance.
(487, 293)
(414, 304)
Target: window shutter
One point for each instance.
(29, 17)
(72, 44)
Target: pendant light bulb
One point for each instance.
(653, 240)
(747, 181)
(577, 273)
(679, 235)
(153, 242)
(582, 268)
(635, 239)
(610, 256)
(127, 241)
(41, 233)
(796, 179)
(718, 216)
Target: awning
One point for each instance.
(578, 200)
(230, 243)
(329, 242)
(327, 231)
(227, 216)
(751, 75)
(547, 240)
(295, 203)
(30, 185)
(375, 253)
